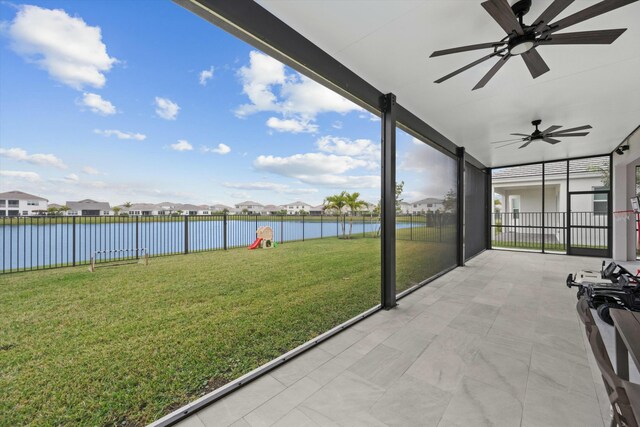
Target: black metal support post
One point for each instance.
(186, 234)
(543, 209)
(388, 231)
(460, 206)
(137, 237)
(224, 230)
(490, 208)
(73, 237)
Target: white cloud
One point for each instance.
(72, 177)
(257, 79)
(296, 97)
(166, 108)
(121, 135)
(71, 51)
(206, 75)
(22, 175)
(337, 124)
(306, 97)
(182, 145)
(97, 104)
(360, 148)
(90, 170)
(307, 164)
(269, 186)
(291, 125)
(36, 159)
(221, 149)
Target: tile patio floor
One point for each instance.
(495, 343)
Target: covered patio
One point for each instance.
(494, 343)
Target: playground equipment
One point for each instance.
(142, 252)
(264, 238)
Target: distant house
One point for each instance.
(88, 207)
(141, 209)
(405, 208)
(188, 209)
(204, 210)
(272, 209)
(219, 207)
(252, 208)
(166, 208)
(316, 210)
(18, 203)
(296, 207)
(430, 204)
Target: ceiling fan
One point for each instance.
(548, 135)
(523, 39)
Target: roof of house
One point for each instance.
(88, 205)
(55, 205)
(186, 207)
(298, 203)
(592, 165)
(249, 203)
(20, 195)
(428, 200)
(142, 207)
(220, 207)
(272, 208)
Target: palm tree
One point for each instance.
(336, 203)
(127, 205)
(354, 203)
(116, 210)
(64, 209)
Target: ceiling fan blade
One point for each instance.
(507, 140)
(585, 37)
(520, 134)
(465, 48)
(588, 13)
(511, 143)
(551, 140)
(501, 12)
(526, 143)
(562, 135)
(574, 129)
(550, 13)
(551, 129)
(535, 63)
(484, 80)
(466, 67)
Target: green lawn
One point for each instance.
(129, 343)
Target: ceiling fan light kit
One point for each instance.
(523, 40)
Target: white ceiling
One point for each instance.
(388, 43)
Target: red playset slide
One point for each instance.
(256, 243)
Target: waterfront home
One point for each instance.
(252, 208)
(88, 207)
(18, 203)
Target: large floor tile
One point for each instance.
(411, 402)
(235, 406)
(478, 404)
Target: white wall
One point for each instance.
(624, 235)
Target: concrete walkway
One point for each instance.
(495, 343)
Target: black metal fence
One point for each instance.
(42, 242)
(549, 231)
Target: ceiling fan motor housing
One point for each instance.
(521, 8)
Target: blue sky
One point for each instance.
(143, 101)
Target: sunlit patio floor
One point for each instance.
(495, 343)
